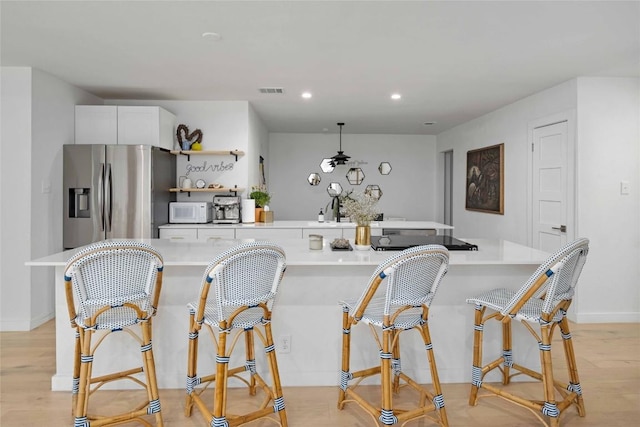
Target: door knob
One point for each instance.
(562, 228)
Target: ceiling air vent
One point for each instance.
(272, 90)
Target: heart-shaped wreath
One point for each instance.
(186, 139)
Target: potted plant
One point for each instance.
(361, 209)
(262, 198)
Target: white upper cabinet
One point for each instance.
(128, 125)
(96, 124)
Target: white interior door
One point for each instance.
(550, 207)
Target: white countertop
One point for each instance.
(316, 224)
(196, 253)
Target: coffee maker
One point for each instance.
(226, 209)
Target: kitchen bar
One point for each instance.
(307, 309)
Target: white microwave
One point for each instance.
(190, 212)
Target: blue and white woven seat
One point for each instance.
(542, 301)
(411, 279)
(236, 297)
(113, 286)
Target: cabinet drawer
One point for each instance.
(328, 233)
(179, 233)
(271, 233)
(212, 234)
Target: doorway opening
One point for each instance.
(448, 189)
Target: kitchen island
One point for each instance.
(307, 311)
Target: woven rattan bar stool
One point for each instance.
(412, 278)
(236, 299)
(541, 303)
(113, 286)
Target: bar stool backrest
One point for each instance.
(555, 280)
(246, 275)
(413, 277)
(114, 273)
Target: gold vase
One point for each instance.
(363, 236)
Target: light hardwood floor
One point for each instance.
(608, 360)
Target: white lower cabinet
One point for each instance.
(268, 233)
(213, 234)
(179, 233)
(327, 233)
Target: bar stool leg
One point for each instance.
(506, 352)
(550, 409)
(222, 367)
(395, 362)
(476, 374)
(574, 381)
(345, 375)
(438, 399)
(150, 372)
(86, 362)
(278, 404)
(76, 372)
(387, 416)
(250, 359)
(192, 365)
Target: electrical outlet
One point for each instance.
(624, 188)
(285, 344)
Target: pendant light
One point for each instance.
(340, 158)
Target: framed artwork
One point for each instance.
(485, 180)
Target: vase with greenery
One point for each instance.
(262, 198)
(260, 194)
(361, 209)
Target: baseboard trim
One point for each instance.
(42, 319)
(25, 325)
(15, 325)
(629, 317)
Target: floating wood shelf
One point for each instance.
(189, 153)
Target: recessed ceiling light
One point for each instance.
(306, 95)
(211, 36)
(396, 96)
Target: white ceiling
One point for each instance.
(452, 61)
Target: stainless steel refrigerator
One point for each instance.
(115, 191)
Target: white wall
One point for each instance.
(608, 153)
(15, 228)
(224, 126)
(37, 119)
(409, 191)
(506, 125)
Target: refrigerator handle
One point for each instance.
(108, 193)
(101, 196)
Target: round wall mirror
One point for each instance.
(384, 168)
(334, 189)
(313, 179)
(355, 176)
(374, 191)
(327, 165)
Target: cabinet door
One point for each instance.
(213, 233)
(138, 125)
(179, 233)
(96, 124)
(329, 233)
(268, 233)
